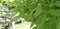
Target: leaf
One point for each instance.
(50, 24)
(38, 10)
(57, 3)
(54, 12)
(41, 20)
(58, 23)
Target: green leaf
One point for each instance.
(50, 24)
(38, 10)
(58, 23)
(41, 20)
(57, 3)
(54, 12)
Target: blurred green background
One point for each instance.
(44, 13)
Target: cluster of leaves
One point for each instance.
(47, 12)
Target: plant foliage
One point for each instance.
(47, 12)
